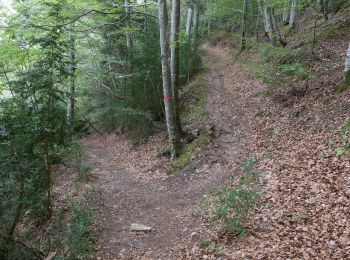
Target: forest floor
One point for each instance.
(136, 186)
(304, 211)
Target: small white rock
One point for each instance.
(139, 227)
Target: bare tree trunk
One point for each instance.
(256, 33)
(167, 89)
(189, 23)
(209, 22)
(266, 11)
(19, 208)
(71, 84)
(286, 12)
(243, 29)
(195, 22)
(347, 68)
(325, 9)
(293, 13)
(277, 31)
(320, 6)
(175, 60)
(128, 38)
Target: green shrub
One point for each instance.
(234, 203)
(80, 241)
(345, 148)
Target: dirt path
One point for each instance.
(166, 204)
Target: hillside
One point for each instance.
(175, 129)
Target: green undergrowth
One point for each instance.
(193, 114)
(344, 149)
(70, 233)
(340, 30)
(230, 206)
(73, 158)
(281, 69)
(341, 87)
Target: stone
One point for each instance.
(139, 228)
(194, 237)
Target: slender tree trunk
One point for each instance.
(325, 9)
(189, 23)
(293, 13)
(128, 25)
(256, 33)
(167, 89)
(268, 24)
(19, 208)
(175, 59)
(71, 84)
(286, 12)
(243, 26)
(277, 31)
(320, 6)
(347, 67)
(208, 25)
(195, 22)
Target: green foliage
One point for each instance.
(341, 87)
(80, 240)
(73, 158)
(345, 148)
(281, 69)
(278, 55)
(335, 31)
(235, 202)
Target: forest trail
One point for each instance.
(166, 204)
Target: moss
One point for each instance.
(188, 150)
(197, 110)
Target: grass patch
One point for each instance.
(211, 246)
(344, 149)
(335, 32)
(80, 239)
(282, 69)
(341, 87)
(71, 235)
(234, 203)
(230, 205)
